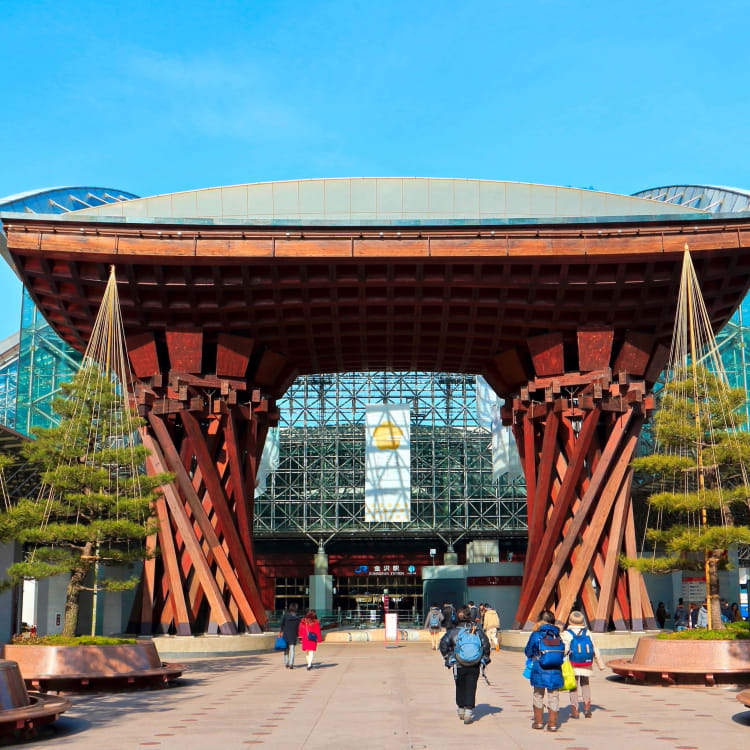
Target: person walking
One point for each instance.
(288, 630)
(661, 615)
(491, 625)
(466, 650)
(433, 623)
(547, 651)
(449, 616)
(582, 653)
(309, 632)
(701, 620)
(693, 615)
(680, 616)
(474, 610)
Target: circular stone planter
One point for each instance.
(126, 665)
(744, 697)
(686, 662)
(22, 712)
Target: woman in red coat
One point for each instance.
(309, 632)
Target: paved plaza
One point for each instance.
(366, 696)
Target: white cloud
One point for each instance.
(220, 98)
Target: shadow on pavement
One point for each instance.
(65, 726)
(743, 718)
(216, 665)
(484, 709)
(92, 710)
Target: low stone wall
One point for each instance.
(186, 646)
(615, 642)
(373, 635)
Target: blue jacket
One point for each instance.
(540, 677)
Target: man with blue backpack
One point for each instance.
(547, 652)
(466, 651)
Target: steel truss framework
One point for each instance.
(318, 487)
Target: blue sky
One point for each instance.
(154, 97)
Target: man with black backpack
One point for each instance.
(466, 650)
(546, 650)
(449, 616)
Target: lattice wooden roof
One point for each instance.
(327, 299)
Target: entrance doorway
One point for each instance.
(288, 590)
(359, 597)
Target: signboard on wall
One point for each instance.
(387, 463)
(494, 580)
(396, 570)
(694, 588)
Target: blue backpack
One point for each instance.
(468, 650)
(581, 649)
(434, 619)
(551, 652)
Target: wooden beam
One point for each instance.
(185, 348)
(612, 557)
(169, 558)
(615, 479)
(175, 465)
(192, 546)
(592, 491)
(594, 347)
(538, 566)
(543, 481)
(239, 486)
(547, 354)
(226, 522)
(633, 575)
(147, 587)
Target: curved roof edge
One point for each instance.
(713, 198)
(385, 200)
(63, 199)
(56, 201)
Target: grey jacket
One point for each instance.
(429, 615)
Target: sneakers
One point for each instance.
(468, 716)
(460, 712)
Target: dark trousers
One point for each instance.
(466, 686)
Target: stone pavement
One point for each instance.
(363, 696)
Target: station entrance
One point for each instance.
(360, 598)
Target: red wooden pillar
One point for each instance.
(577, 428)
(208, 431)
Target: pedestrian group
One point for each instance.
(555, 660)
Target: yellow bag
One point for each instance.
(569, 678)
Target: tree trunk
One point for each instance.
(73, 592)
(712, 589)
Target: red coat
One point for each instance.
(304, 629)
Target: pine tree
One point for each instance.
(94, 506)
(699, 468)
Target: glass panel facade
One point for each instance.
(8, 384)
(44, 361)
(319, 484)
